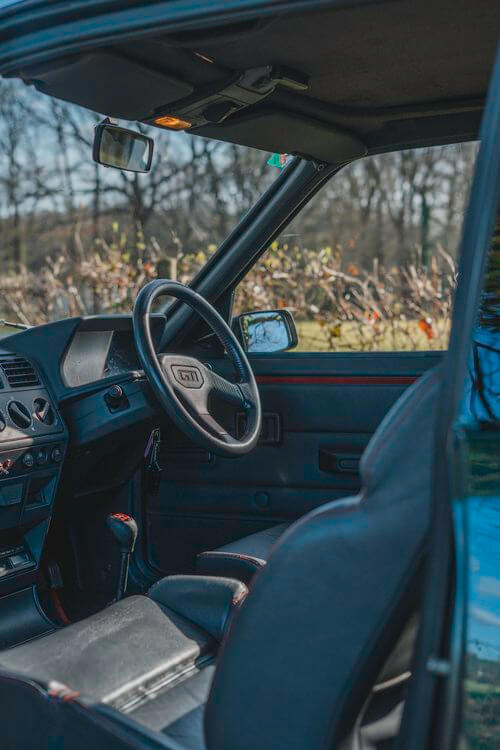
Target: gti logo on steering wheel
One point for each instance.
(189, 377)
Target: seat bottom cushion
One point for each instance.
(142, 666)
(243, 558)
(177, 712)
(119, 656)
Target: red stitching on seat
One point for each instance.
(393, 427)
(61, 691)
(235, 555)
(238, 598)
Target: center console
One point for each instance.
(33, 442)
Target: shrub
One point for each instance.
(338, 305)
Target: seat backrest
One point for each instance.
(321, 619)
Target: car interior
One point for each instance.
(201, 546)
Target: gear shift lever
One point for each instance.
(124, 529)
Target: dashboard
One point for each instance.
(75, 414)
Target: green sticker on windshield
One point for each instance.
(277, 160)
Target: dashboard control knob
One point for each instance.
(28, 460)
(115, 397)
(41, 457)
(56, 455)
(19, 415)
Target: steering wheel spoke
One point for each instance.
(215, 428)
(230, 392)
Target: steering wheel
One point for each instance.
(184, 385)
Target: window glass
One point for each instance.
(478, 424)
(369, 264)
(81, 239)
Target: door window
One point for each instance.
(370, 263)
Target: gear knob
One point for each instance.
(124, 530)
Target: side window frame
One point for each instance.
(373, 334)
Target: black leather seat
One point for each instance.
(330, 616)
(151, 659)
(243, 558)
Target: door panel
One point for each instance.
(328, 407)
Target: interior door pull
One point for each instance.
(350, 464)
(334, 462)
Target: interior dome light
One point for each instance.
(174, 123)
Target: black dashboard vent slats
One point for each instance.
(19, 372)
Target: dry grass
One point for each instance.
(393, 335)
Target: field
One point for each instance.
(384, 336)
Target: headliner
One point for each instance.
(390, 74)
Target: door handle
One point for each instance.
(333, 461)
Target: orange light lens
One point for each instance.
(174, 123)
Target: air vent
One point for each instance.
(43, 411)
(19, 414)
(19, 372)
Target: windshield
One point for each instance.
(81, 239)
(368, 264)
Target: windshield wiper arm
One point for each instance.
(13, 325)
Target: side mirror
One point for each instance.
(122, 148)
(267, 331)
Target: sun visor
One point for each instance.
(286, 132)
(109, 84)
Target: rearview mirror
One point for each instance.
(122, 148)
(267, 331)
